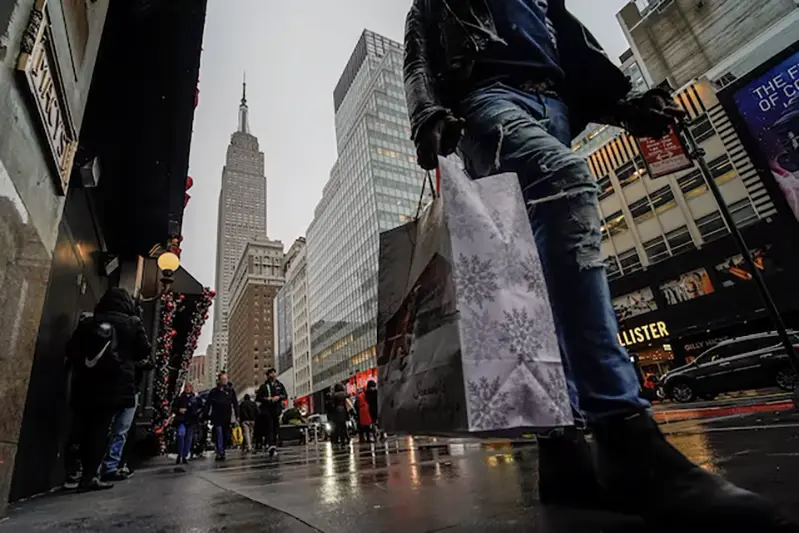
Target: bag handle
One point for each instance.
(434, 190)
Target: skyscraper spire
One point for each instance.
(244, 124)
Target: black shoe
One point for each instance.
(178, 461)
(184, 461)
(272, 451)
(115, 476)
(646, 474)
(566, 473)
(94, 485)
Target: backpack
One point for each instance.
(95, 351)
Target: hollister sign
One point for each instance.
(648, 332)
(38, 62)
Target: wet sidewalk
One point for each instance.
(405, 485)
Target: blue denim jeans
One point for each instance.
(185, 435)
(512, 131)
(123, 419)
(220, 430)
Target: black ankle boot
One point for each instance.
(640, 470)
(566, 474)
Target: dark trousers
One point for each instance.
(365, 433)
(220, 437)
(88, 441)
(261, 424)
(272, 421)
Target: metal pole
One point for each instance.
(697, 153)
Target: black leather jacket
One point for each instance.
(444, 37)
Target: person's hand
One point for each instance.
(275, 398)
(650, 114)
(439, 137)
(182, 410)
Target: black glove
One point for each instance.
(650, 114)
(439, 136)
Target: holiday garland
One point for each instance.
(162, 404)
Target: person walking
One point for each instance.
(186, 409)
(220, 406)
(508, 84)
(102, 353)
(364, 417)
(271, 396)
(340, 414)
(371, 400)
(248, 413)
(132, 363)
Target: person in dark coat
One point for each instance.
(271, 396)
(220, 405)
(186, 409)
(508, 84)
(248, 413)
(371, 400)
(103, 353)
(340, 414)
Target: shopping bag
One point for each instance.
(466, 337)
(238, 436)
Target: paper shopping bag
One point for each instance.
(466, 337)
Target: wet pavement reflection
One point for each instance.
(404, 484)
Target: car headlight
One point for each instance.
(328, 427)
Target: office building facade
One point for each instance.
(678, 283)
(256, 281)
(241, 219)
(374, 186)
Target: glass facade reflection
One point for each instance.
(374, 186)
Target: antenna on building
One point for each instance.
(244, 111)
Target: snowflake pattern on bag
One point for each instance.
(480, 336)
(476, 279)
(489, 407)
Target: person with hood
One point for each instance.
(271, 396)
(220, 405)
(508, 84)
(103, 353)
(248, 413)
(340, 414)
(371, 400)
(186, 411)
(364, 417)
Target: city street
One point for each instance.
(405, 485)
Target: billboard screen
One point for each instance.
(767, 103)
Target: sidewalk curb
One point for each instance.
(679, 415)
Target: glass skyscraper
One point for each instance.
(374, 186)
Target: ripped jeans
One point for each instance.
(512, 131)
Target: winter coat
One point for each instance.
(220, 405)
(445, 38)
(248, 411)
(364, 415)
(116, 386)
(269, 390)
(339, 414)
(191, 403)
(371, 399)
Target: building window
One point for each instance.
(627, 174)
(702, 129)
(656, 250)
(629, 261)
(692, 184)
(605, 187)
(721, 169)
(641, 210)
(615, 223)
(663, 199)
(711, 226)
(679, 240)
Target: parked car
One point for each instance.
(750, 362)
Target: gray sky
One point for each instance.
(293, 52)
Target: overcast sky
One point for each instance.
(293, 52)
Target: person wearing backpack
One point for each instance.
(103, 353)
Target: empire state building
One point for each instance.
(242, 218)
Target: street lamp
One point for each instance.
(168, 262)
